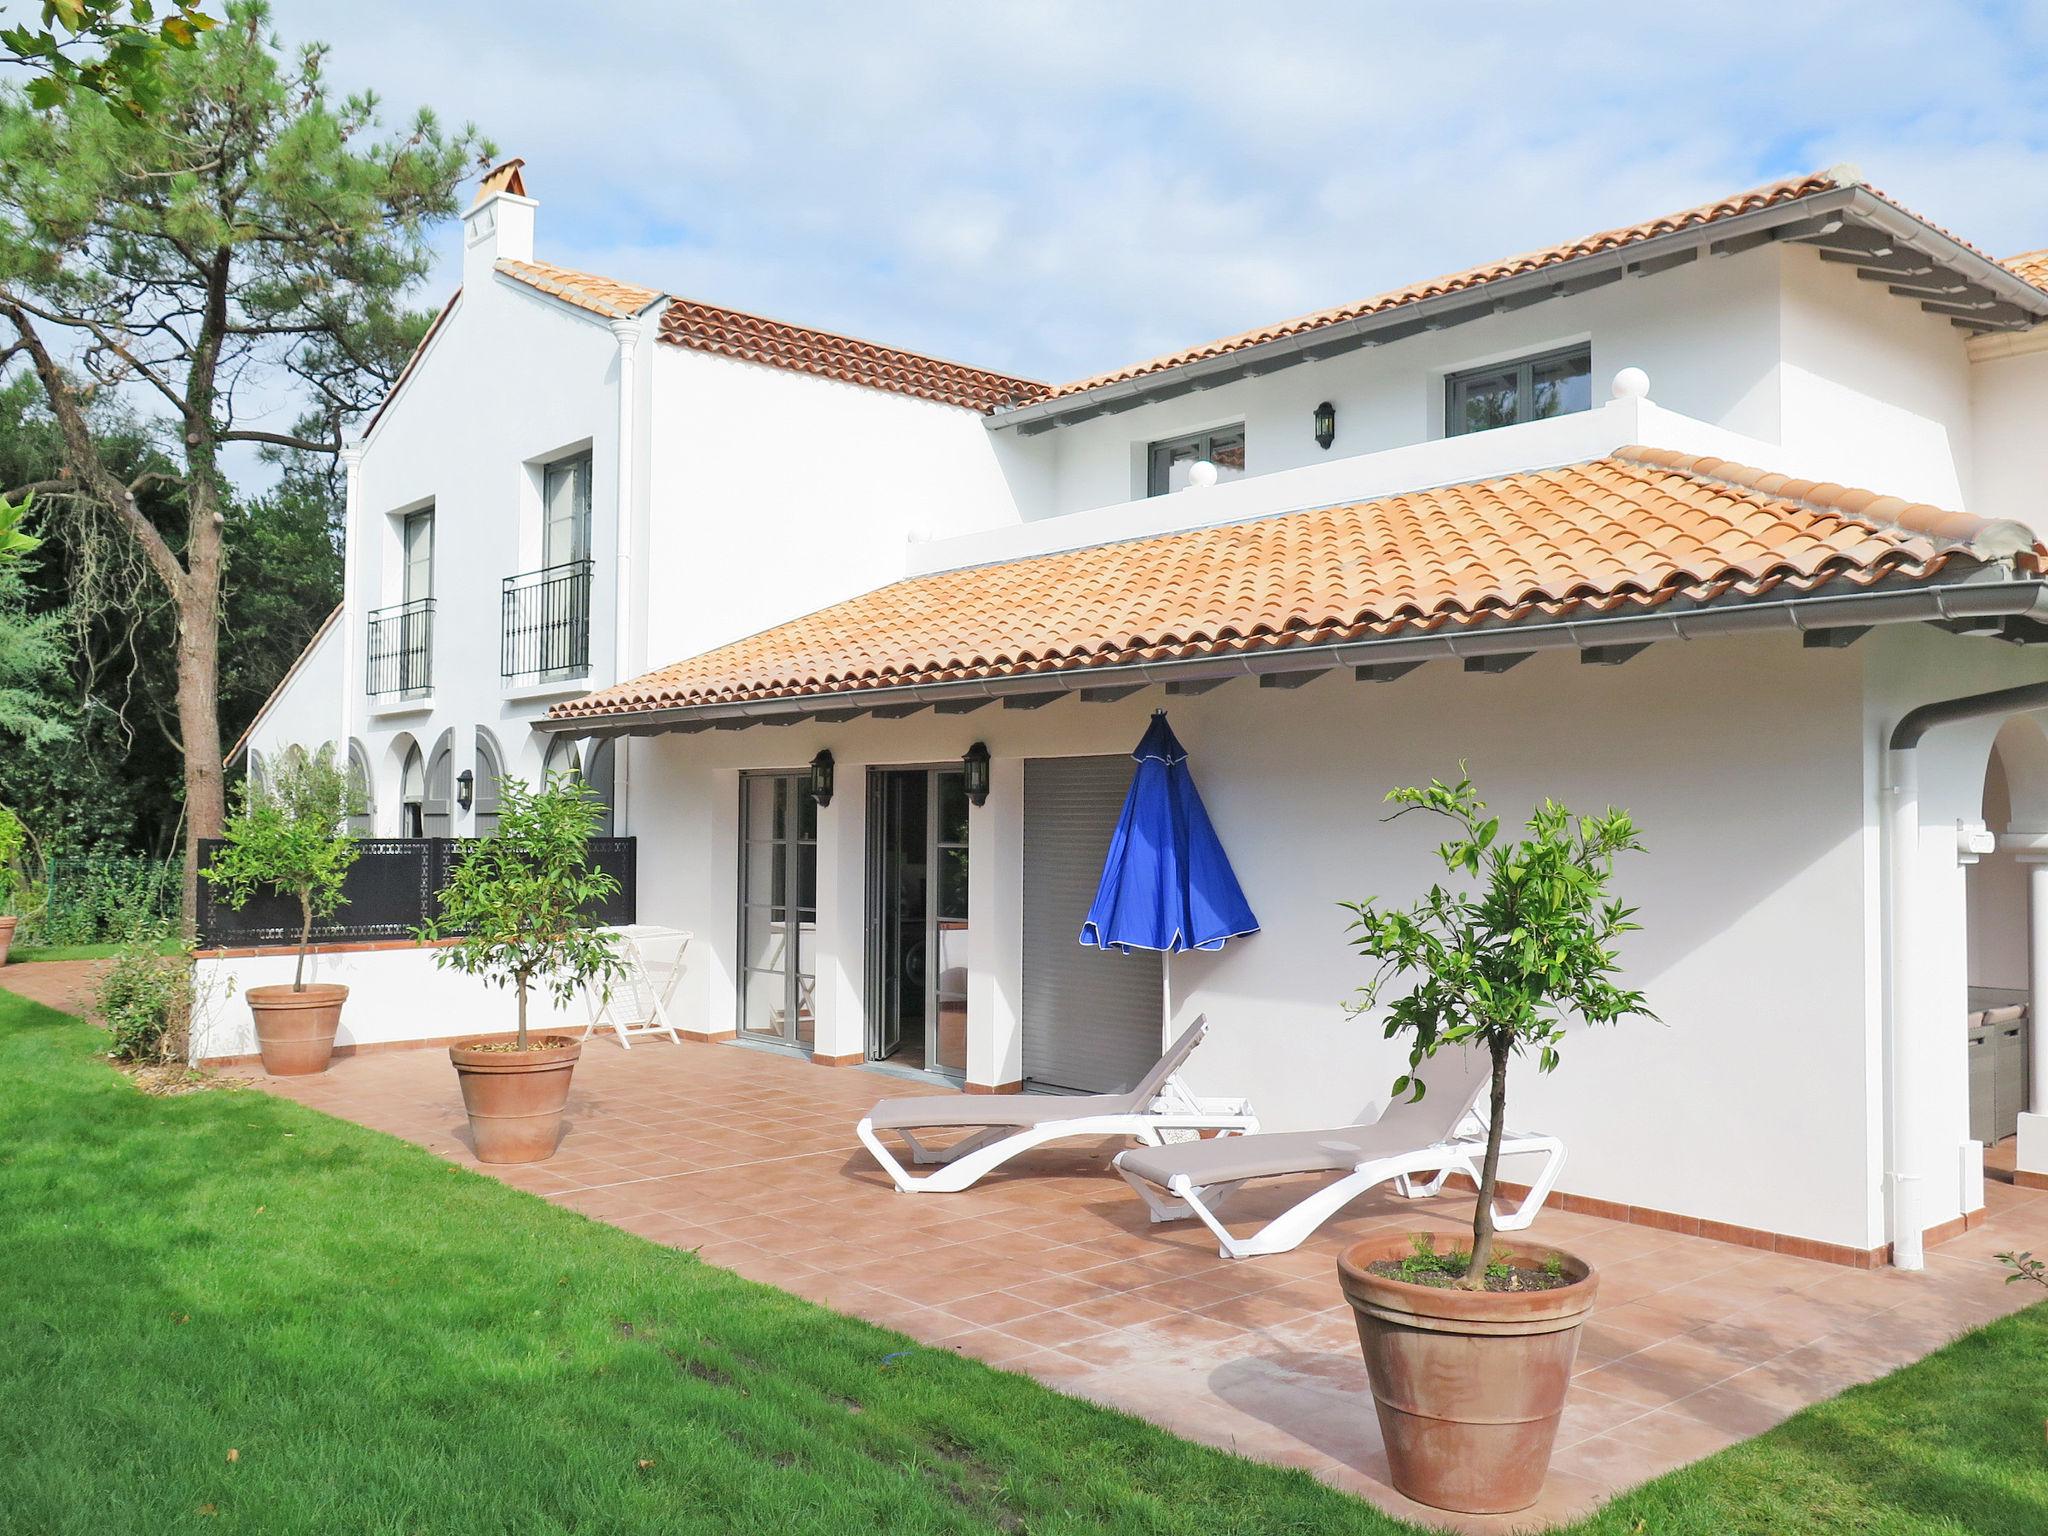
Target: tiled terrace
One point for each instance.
(1051, 1269)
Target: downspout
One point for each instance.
(1902, 791)
(351, 459)
(628, 334)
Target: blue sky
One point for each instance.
(1054, 189)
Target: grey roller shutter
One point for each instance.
(1091, 1018)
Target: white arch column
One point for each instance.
(2031, 1157)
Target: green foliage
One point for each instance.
(145, 1001)
(15, 539)
(290, 834)
(517, 904)
(104, 898)
(112, 48)
(31, 660)
(2024, 1266)
(1503, 966)
(1424, 1264)
(13, 852)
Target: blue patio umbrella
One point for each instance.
(1167, 883)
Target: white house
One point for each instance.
(1694, 517)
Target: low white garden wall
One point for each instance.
(396, 995)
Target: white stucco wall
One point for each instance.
(775, 493)
(395, 994)
(306, 712)
(2009, 402)
(1875, 392)
(1752, 896)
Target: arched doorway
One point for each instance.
(362, 800)
(412, 792)
(2006, 895)
(437, 809)
(593, 769)
(490, 773)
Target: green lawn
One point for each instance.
(387, 1344)
(28, 954)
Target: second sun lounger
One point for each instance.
(1437, 1136)
(1006, 1124)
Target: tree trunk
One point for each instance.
(305, 939)
(1489, 1177)
(199, 698)
(522, 1011)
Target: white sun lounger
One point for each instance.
(1006, 1124)
(1440, 1135)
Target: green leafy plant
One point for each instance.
(1504, 965)
(517, 906)
(2024, 1266)
(113, 48)
(145, 1001)
(290, 834)
(14, 883)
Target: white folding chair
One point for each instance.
(635, 1001)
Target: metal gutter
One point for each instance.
(1995, 595)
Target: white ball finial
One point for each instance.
(1201, 475)
(1631, 384)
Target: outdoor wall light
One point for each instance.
(1326, 424)
(974, 769)
(465, 788)
(821, 778)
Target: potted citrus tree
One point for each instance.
(1470, 1351)
(289, 836)
(516, 912)
(13, 842)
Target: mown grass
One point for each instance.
(29, 954)
(225, 1312)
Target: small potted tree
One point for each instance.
(1470, 1351)
(13, 842)
(517, 913)
(289, 836)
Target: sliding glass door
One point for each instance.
(778, 908)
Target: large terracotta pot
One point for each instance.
(6, 936)
(295, 1030)
(515, 1099)
(1468, 1384)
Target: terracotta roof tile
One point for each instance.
(586, 290)
(779, 344)
(1635, 529)
(2030, 266)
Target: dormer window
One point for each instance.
(1531, 389)
(1172, 460)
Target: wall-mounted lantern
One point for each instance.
(465, 788)
(1326, 424)
(821, 778)
(974, 769)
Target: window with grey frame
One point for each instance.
(546, 628)
(1535, 388)
(400, 649)
(1171, 460)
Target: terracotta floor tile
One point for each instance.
(1053, 1269)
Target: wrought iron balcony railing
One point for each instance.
(547, 622)
(401, 648)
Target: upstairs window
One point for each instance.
(1533, 389)
(419, 557)
(1172, 459)
(565, 511)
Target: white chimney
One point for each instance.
(499, 227)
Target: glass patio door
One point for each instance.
(918, 937)
(778, 908)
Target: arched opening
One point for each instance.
(490, 773)
(594, 769)
(253, 774)
(2006, 892)
(412, 792)
(362, 799)
(437, 809)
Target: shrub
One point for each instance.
(104, 898)
(1501, 968)
(145, 1001)
(290, 834)
(517, 905)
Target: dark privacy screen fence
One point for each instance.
(391, 889)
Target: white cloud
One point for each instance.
(1059, 188)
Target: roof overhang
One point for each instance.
(1989, 601)
(1849, 224)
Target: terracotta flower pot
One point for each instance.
(295, 1030)
(6, 936)
(1468, 1384)
(515, 1099)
